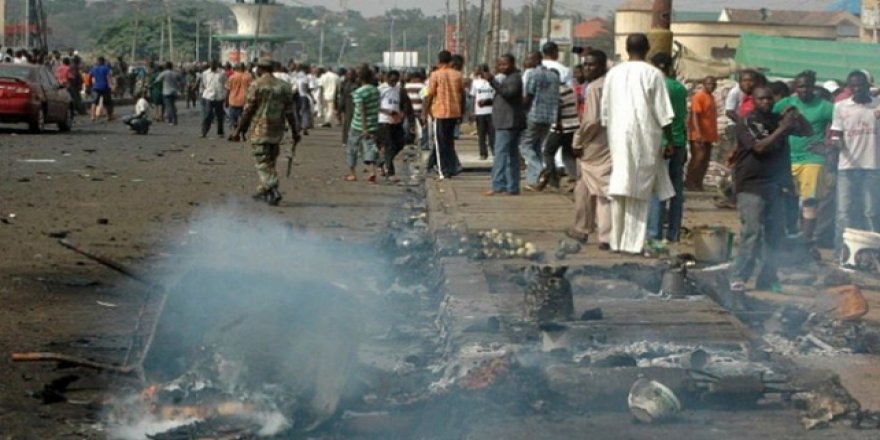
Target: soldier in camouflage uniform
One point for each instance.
(269, 104)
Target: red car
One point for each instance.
(30, 93)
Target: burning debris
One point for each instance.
(290, 339)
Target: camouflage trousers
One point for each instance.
(265, 156)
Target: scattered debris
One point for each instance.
(486, 374)
(845, 302)
(568, 246)
(64, 359)
(613, 360)
(491, 325)
(594, 314)
(496, 245)
(36, 160)
(59, 234)
(825, 401)
(53, 392)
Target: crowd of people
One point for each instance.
(627, 140)
(631, 139)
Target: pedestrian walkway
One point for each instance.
(540, 218)
(477, 290)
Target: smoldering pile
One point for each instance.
(202, 403)
(261, 337)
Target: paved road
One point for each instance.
(135, 199)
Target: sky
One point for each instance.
(588, 7)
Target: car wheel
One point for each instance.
(38, 124)
(67, 123)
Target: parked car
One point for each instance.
(31, 94)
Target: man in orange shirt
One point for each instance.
(444, 102)
(237, 87)
(703, 133)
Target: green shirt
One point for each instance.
(271, 99)
(678, 96)
(368, 95)
(818, 113)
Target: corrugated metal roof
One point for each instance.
(636, 5)
(808, 18)
(695, 16)
(786, 57)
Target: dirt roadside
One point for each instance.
(132, 199)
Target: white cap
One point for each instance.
(831, 86)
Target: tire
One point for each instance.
(38, 124)
(67, 124)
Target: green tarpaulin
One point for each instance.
(786, 57)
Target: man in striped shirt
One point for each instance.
(364, 125)
(560, 137)
(414, 89)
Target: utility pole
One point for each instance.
(478, 54)
(660, 35)
(457, 34)
(531, 24)
(211, 42)
(137, 21)
(257, 31)
(170, 39)
(27, 24)
(197, 39)
(548, 14)
(321, 43)
(496, 30)
(428, 54)
(446, 27)
(162, 41)
(462, 30)
(391, 39)
(170, 32)
(342, 49)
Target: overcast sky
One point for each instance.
(587, 7)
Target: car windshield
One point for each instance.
(18, 72)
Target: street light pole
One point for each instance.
(391, 37)
(321, 42)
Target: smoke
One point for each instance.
(261, 315)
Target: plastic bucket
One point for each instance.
(856, 241)
(650, 401)
(713, 244)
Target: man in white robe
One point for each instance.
(635, 109)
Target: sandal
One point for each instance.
(372, 179)
(350, 178)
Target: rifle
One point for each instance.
(290, 157)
